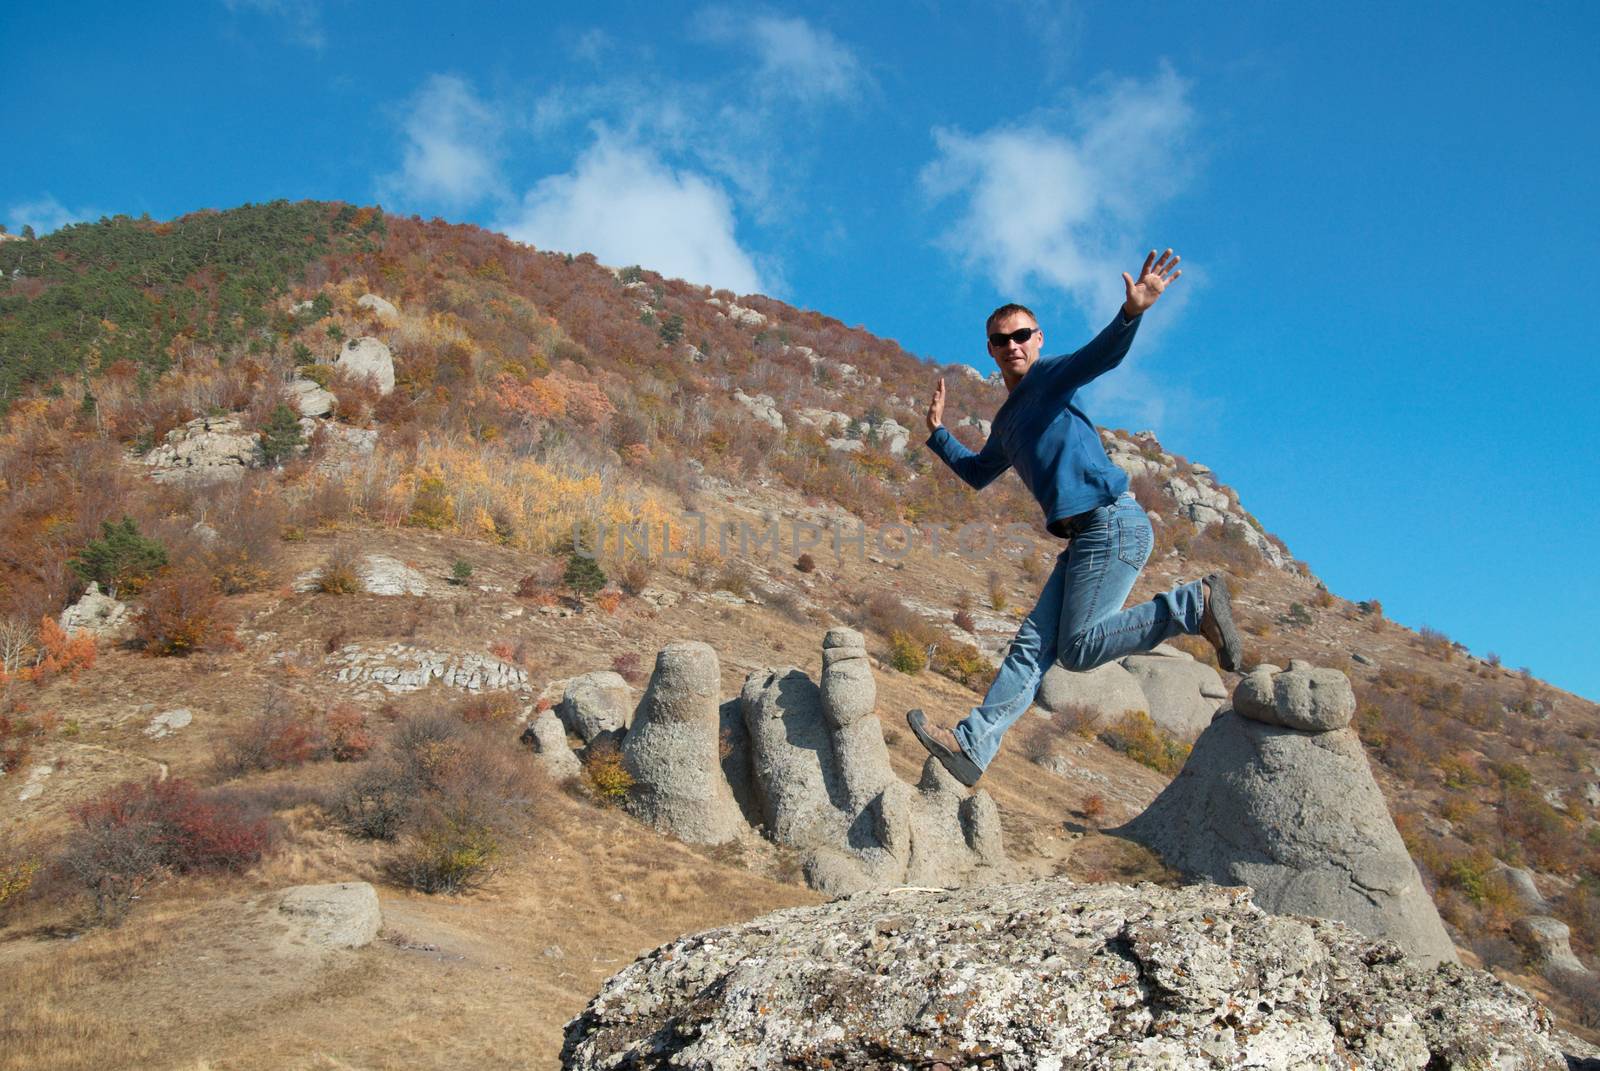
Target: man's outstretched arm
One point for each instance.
(1107, 349)
(978, 470)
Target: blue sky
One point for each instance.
(1383, 339)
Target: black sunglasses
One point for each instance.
(1019, 336)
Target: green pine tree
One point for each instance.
(281, 436)
(121, 559)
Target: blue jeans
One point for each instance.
(1079, 620)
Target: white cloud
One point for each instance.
(624, 205)
(1039, 206)
(46, 214)
(797, 59)
(301, 18)
(452, 152)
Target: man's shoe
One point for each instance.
(943, 745)
(1216, 624)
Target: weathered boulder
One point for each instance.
(1050, 975)
(1520, 881)
(1547, 942)
(204, 450)
(367, 356)
(168, 722)
(548, 738)
(1109, 691)
(1183, 694)
(344, 915)
(596, 704)
(1297, 817)
(672, 749)
(378, 305)
(99, 613)
(311, 400)
(1301, 697)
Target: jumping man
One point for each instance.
(1042, 433)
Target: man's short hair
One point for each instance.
(1006, 310)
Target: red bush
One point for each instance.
(183, 613)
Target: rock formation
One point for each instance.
(1294, 813)
(1050, 975)
(548, 738)
(203, 450)
(672, 749)
(596, 705)
(1108, 691)
(367, 356)
(1183, 694)
(310, 400)
(99, 613)
(1548, 944)
(343, 915)
(384, 309)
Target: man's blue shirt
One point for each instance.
(1049, 441)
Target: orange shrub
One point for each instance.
(183, 613)
(60, 652)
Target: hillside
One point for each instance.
(185, 425)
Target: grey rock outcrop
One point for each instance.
(1302, 697)
(1050, 975)
(761, 406)
(343, 915)
(596, 704)
(548, 738)
(1520, 881)
(1296, 816)
(673, 749)
(99, 613)
(1109, 691)
(384, 309)
(367, 356)
(204, 450)
(1548, 944)
(310, 400)
(1183, 694)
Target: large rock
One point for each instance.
(204, 450)
(345, 915)
(672, 750)
(1107, 691)
(548, 738)
(1301, 697)
(1050, 975)
(98, 613)
(368, 357)
(761, 406)
(311, 400)
(1183, 694)
(384, 309)
(596, 704)
(1297, 817)
(1547, 942)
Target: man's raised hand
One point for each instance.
(936, 408)
(1153, 279)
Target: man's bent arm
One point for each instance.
(978, 470)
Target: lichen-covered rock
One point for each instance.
(595, 704)
(1109, 691)
(672, 750)
(1184, 695)
(400, 667)
(1303, 696)
(1297, 817)
(1050, 975)
(368, 356)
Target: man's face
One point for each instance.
(1015, 358)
